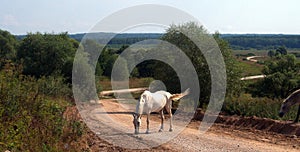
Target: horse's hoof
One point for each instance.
(170, 129)
(147, 132)
(160, 130)
(136, 132)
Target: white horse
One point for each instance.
(291, 100)
(155, 102)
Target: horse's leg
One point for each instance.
(147, 131)
(171, 121)
(297, 117)
(162, 120)
(169, 110)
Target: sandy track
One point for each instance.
(118, 130)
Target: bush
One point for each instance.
(31, 111)
(54, 86)
(246, 105)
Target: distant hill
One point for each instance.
(118, 39)
(261, 41)
(236, 41)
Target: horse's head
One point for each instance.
(136, 122)
(284, 108)
(287, 103)
(140, 110)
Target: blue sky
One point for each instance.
(225, 16)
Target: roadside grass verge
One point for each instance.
(245, 105)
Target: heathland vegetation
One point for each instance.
(34, 92)
(36, 76)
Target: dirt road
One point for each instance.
(251, 58)
(113, 123)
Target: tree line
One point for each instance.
(40, 54)
(236, 41)
(53, 54)
(261, 41)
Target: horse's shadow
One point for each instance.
(125, 113)
(115, 113)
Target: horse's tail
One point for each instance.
(180, 95)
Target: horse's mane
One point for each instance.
(293, 95)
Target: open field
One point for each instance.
(249, 68)
(260, 52)
(256, 52)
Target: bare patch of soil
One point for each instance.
(268, 125)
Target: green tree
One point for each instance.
(46, 54)
(233, 71)
(281, 50)
(282, 78)
(8, 47)
(93, 48)
(271, 53)
(123, 47)
(108, 65)
(192, 51)
(83, 77)
(120, 70)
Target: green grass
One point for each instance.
(245, 105)
(260, 52)
(256, 52)
(250, 68)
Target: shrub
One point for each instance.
(246, 105)
(54, 86)
(31, 111)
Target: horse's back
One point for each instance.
(158, 101)
(165, 93)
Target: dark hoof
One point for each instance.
(160, 130)
(170, 129)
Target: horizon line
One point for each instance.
(227, 33)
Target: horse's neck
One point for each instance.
(139, 108)
(294, 98)
(297, 98)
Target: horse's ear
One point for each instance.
(134, 115)
(146, 97)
